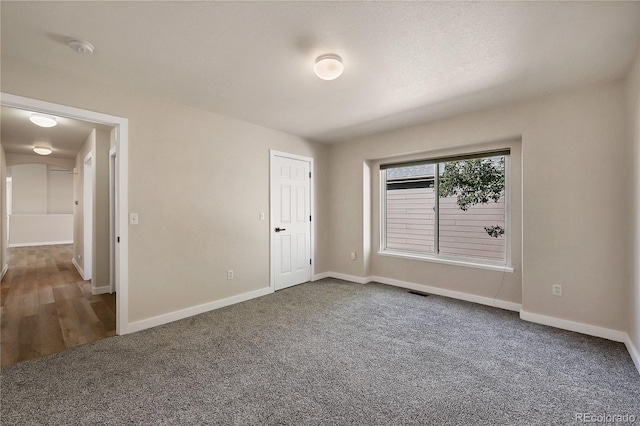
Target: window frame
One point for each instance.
(435, 257)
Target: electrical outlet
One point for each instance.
(556, 290)
(230, 274)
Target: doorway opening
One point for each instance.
(119, 261)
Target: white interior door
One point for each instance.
(291, 220)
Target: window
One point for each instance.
(458, 214)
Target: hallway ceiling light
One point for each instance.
(42, 150)
(329, 66)
(43, 120)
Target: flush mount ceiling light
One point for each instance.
(43, 120)
(42, 150)
(329, 66)
(82, 47)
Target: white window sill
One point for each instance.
(426, 258)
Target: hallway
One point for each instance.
(47, 307)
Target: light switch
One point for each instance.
(261, 215)
(133, 218)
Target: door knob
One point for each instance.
(280, 229)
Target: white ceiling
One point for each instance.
(19, 135)
(405, 62)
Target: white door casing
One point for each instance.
(113, 218)
(291, 248)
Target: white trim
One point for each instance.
(507, 212)
(578, 327)
(272, 273)
(321, 276)
(122, 250)
(45, 243)
(509, 306)
(496, 303)
(112, 218)
(633, 351)
(100, 290)
(347, 277)
(440, 259)
(36, 105)
(122, 146)
(196, 310)
(273, 153)
(5, 268)
(78, 268)
(41, 214)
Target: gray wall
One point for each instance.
(97, 144)
(38, 189)
(78, 195)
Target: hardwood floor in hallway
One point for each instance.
(47, 307)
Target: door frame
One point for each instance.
(272, 239)
(88, 185)
(113, 206)
(121, 126)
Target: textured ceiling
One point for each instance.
(405, 62)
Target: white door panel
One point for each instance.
(290, 189)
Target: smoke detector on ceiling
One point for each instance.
(82, 47)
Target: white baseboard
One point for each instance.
(100, 290)
(78, 268)
(195, 310)
(346, 277)
(578, 327)
(46, 243)
(509, 306)
(633, 351)
(4, 271)
(502, 304)
(323, 275)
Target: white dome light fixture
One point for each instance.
(81, 47)
(329, 66)
(42, 150)
(43, 120)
